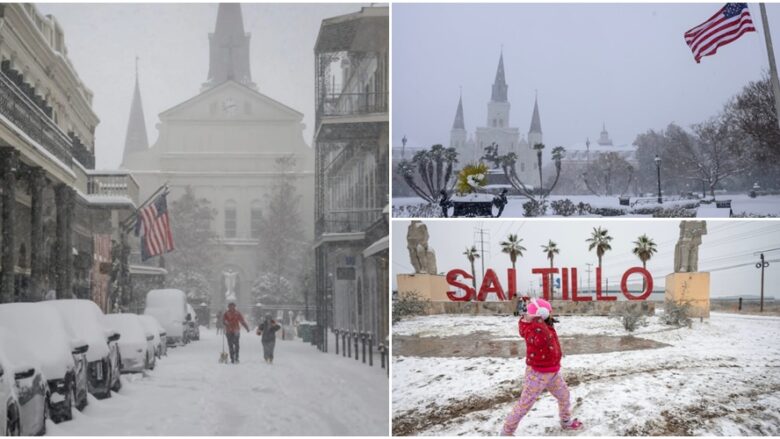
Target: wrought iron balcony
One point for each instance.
(25, 114)
(347, 104)
(112, 185)
(352, 221)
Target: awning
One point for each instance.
(378, 245)
(147, 270)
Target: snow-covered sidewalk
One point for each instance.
(721, 377)
(305, 392)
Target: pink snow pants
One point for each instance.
(534, 384)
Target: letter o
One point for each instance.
(648, 283)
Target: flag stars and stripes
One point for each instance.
(153, 220)
(726, 26)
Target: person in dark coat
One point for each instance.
(267, 330)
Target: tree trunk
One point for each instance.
(473, 279)
(552, 287)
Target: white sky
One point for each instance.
(727, 243)
(172, 43)
(623, 64)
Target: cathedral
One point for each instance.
(497, 130)
(225, 143)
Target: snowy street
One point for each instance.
(305, 392)
(720, 377)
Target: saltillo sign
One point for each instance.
(491, 284)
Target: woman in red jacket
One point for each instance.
(543, 360)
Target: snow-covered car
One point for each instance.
(136, 344)
(192, 327)
(152, 325)
(103, 360)
(59, 353)
(169, 307)
(23, 390)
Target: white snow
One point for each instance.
(305, 392)
(132, 341)
(169, 307)
(86, 320)
(719, 377)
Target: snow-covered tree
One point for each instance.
(270, 289)
(608, 174)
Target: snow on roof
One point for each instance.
(43, 330)
(85, 319)
(168, 306)
(130, 326)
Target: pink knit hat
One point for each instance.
(535, 304)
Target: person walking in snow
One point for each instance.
(233, 320)
(543, 360)
(267, 330)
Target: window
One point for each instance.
(230, 219)
(255, 219)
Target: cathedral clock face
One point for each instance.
(229, 106)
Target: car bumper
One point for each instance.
(133, 364)
(99, 378)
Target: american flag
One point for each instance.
(729, 23)
(155, 228)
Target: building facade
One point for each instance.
(352, 158)
(498, 130)
(225, 143)
(59, 215)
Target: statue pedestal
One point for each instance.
(690, 288)
(428, 286)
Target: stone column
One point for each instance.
(384, 298)
(37, 185)
(63, 198)
(9, 163)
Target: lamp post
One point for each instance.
(762, 265)
(403, 148)
(657, 161)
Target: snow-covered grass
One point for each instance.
(305, 392)
(740, 204)
(720, 377)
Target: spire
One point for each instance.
(459, 124)
(136, 138)
(536, 123)
(229, 48)
(499, 85)
(604, 139)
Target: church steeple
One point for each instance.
(499, 85)
(536, 123)
(459, 124)
(604, 139)
(136, 139)
(229, 49)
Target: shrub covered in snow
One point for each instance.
(676, 313)
(632, 317)
(534, 208)
(410, 304)
(608, 211)
(563, 207)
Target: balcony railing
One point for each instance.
(115, 184)
(347, 104)
(26, 115)
(347, 222)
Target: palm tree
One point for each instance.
(539, 147)
(512, 247)
(599, 240)
(551, 249)
(644, 249)
(472, 255)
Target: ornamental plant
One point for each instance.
(472, 178)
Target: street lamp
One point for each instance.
(403, 148)
(762, 265)
(658, 168)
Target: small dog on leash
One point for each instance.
(223, 357)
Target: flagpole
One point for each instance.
(772, 66)
(126, 223)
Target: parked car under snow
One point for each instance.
(103, 360)
(152, 325)
(23, 390)
(135, 343)
(60, 354)
(169, 307)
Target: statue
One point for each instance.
(491, 155)
(686, 252)
(230, 285)
(423, 259)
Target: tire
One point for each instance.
(71, 402)
(116, 387)
(46, 416)
(13, 423)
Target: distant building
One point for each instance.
(59, 215)
(582, 153)
(498, 130)
(224, 143)
(352, 154)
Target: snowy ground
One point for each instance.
(720, 377)
(305, 392)
(740, 204)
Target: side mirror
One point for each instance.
(114, 337)
(24, 372)
(149, 337)
(78, 347)
(2, 372)
(163, 334)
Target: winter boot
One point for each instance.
(573, 424)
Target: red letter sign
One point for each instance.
(490, 284)
(648, 283)
(545, 272)
(452, 279)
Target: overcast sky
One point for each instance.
(727, 243)
(623, 64)
(172, 43)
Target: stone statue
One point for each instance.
(686, 252)
(423, 258)
(230, 285)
